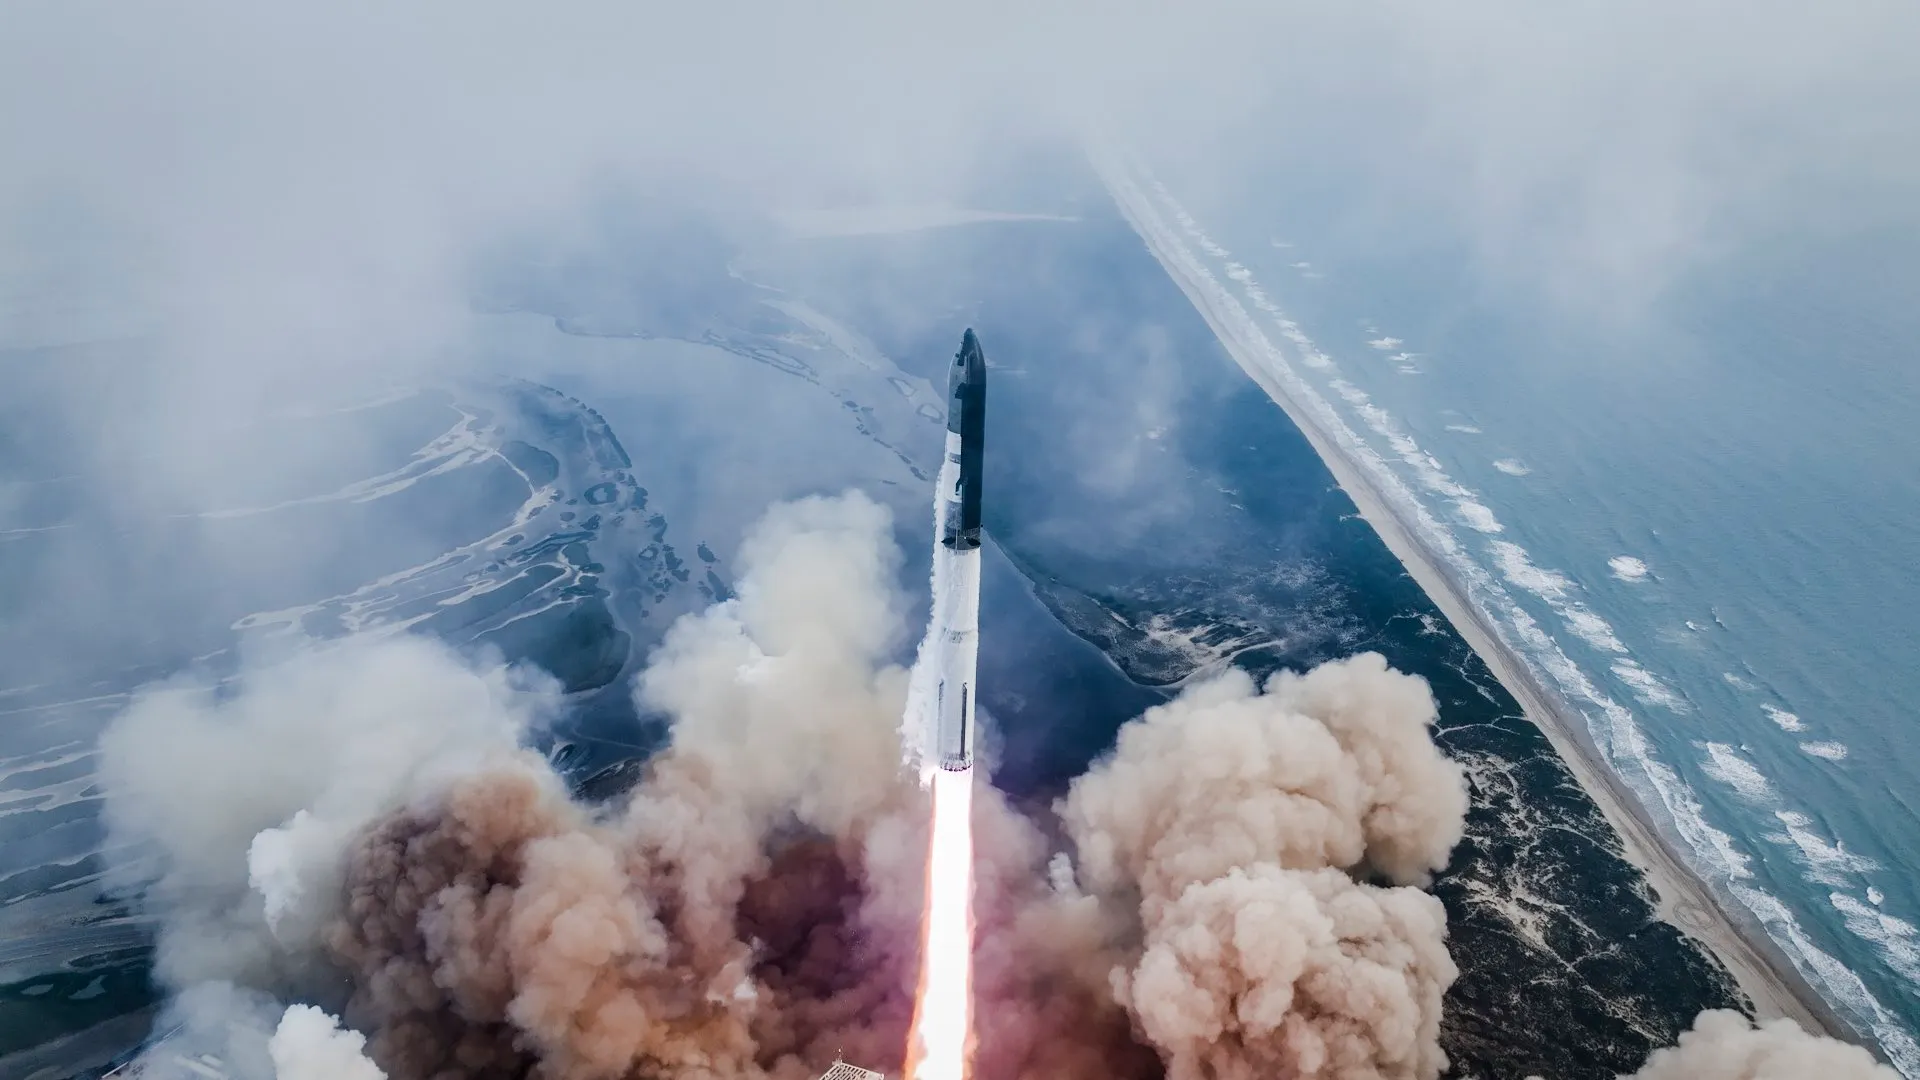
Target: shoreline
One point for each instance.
(1759, 967)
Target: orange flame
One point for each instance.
(939, 1044)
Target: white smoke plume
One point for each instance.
(789, 687)
(233, 1023)
(310, 1045)
(253, 1037)
(752, 908)
(1724, 1045)
(263, 782)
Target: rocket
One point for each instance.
(956, 558)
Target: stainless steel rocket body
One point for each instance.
(956, 555)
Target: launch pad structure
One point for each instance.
(841, 1070)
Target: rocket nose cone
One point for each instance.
(966, 382)
(970, 363)
(969, 370)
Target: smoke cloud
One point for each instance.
(1236, 896)
(309, 1045)
(1234, 815)
(235, 802)
(751, 907)
(1333, 768)
(1269, 972)
(1724, 1045)
(233, 1023)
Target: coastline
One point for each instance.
(1760, 968)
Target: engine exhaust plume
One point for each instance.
(943, 1010)
(940, 1042)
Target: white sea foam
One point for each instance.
(1719, 856)
(1897, 939)
(1787, 721)
(1832, 751)
(1627, 568)
(1835, 981)
(1517, 567)
(1426, 468)
(1386, 344)
(1589, 627)
(1828, 861)
(1464, 429)
(1512, 466)
(1726, 765)
(1477, 516)
(1647, 686)
(878, 220)
(468, 441)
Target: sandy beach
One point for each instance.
(1757, 964)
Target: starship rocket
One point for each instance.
(956, 558)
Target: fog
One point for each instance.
(265, 194)
(242, 172)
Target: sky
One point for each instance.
(236, 171)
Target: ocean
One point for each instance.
(1697, 526)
